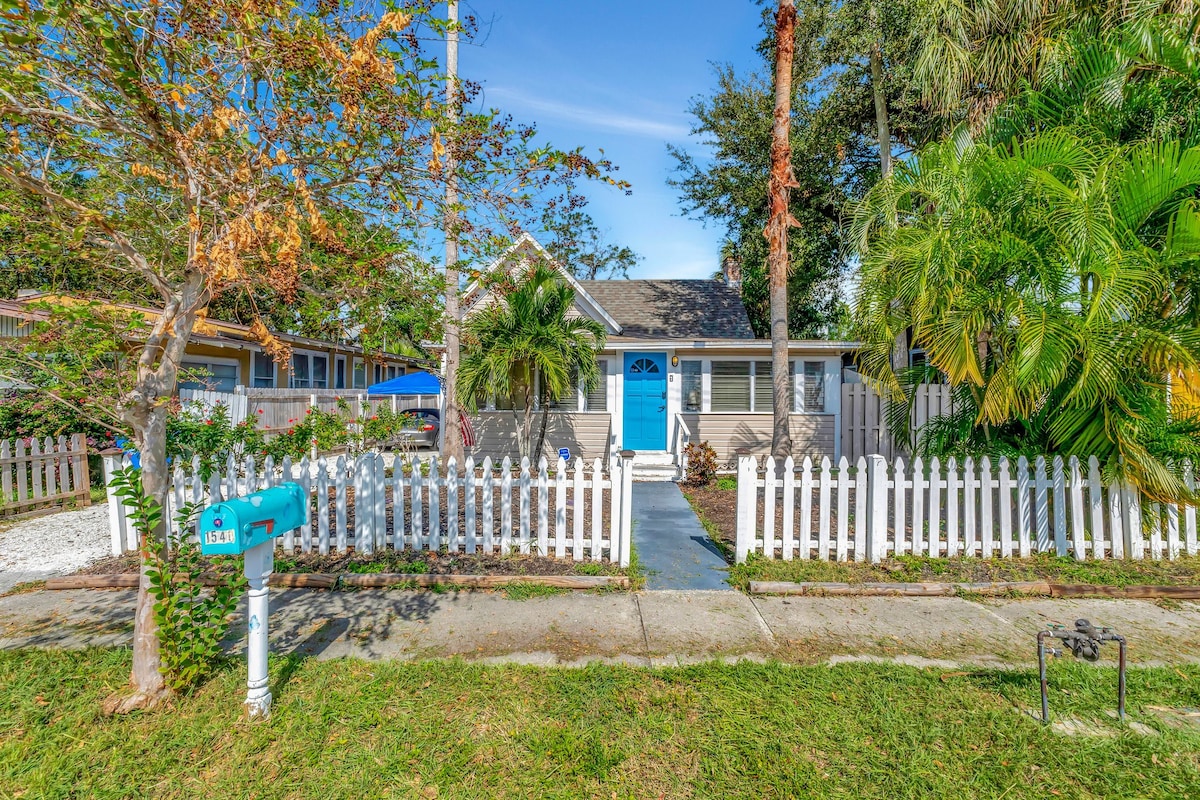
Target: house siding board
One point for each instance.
(585, 434)
(812, 434)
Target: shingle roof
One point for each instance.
(673, 309)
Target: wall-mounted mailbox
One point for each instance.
(239, 524)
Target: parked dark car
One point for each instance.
(422, 430)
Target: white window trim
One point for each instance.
(310, 354)
(348, 376)
(225, 362)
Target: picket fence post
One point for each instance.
(116, 511)
(747, 507)
(626, 514)
(877, 523)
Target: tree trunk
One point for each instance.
(779, 222)
(145, 410)
(541, 440)
(526, 436)
(452, 442)
(884, 135)
(882, 123)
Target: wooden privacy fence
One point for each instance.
(864, 418)
(44, 474)
(278, 409)
(579, 511)
(982, 509)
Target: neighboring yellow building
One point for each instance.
(1185, 394)
(230, 356)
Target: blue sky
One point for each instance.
(617, 75)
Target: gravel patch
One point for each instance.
(54, 544)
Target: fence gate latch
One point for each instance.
(1083, 642)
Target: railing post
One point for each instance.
(747, 506)
(111, 459)
(877, 508)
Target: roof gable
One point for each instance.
(519, 256)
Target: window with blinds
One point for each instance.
(597, 398)
(730, 386)
(693, 385)
(814, 386)
(764, 390)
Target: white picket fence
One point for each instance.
(875, 509)
(553, 510)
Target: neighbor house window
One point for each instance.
(213, 376)
(731, 385)
(693, 385)
(360, 374)
(264, 371)
(814, 386)
(310, 371)
(339, 372)
(597, 399)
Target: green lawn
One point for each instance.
(1184, 571)
(452, 729)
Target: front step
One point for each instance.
(655, 466)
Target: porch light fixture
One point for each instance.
(674, 361)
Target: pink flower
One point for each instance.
(260, 411)
(208, 422)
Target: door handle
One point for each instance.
(662, 408)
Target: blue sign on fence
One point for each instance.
(564, 454)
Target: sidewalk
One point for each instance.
(648, 628)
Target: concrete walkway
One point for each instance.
(670, 542)
(648, 628)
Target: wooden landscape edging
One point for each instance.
(325, 580)
(1028, 588)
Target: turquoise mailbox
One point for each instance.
(237, 525)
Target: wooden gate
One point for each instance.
(43, 475)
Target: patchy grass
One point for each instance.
(457, 730)
(24, 588)
(1184, 571)
(526, 590)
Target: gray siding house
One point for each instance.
(681, 364)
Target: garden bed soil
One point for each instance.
(717, 508)
(390, 561)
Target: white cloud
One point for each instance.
(594, 117)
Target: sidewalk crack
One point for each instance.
(763, 621)
(645, 638)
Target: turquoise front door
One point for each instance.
(645, 409)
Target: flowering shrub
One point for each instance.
(210, 434)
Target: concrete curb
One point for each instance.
(322, 580)
(1028, 588)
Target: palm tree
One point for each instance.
(975, 54)
(1050, 272)
(527, 345)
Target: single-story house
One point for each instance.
(226, 355)
(680, 364)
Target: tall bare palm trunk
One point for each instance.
(779, 222)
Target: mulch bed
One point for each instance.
(409, 562)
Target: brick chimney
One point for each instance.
(731, 267)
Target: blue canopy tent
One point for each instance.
(412, 384)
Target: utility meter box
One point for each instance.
(236, 525)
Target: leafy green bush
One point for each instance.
(192, 619)
(328, 430)
(209, 434)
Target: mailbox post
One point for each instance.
(249, 525)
